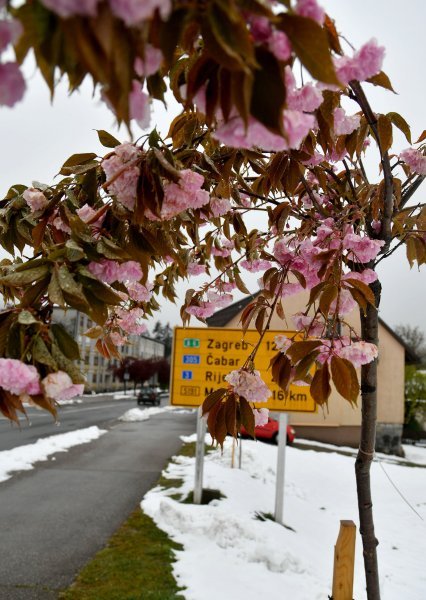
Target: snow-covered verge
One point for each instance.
(22, 458)
(143, 414)
(229, 553)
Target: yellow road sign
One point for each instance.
(202, 357)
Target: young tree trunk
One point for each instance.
(369, 333)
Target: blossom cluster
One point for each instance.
(122, 171)
(19, 378)
(110, 271)
(35, 199)
(415, 159)
(248, 385)
(12, 84)
(357, 352)
(304, 257)
(364, 63)
(130, 320)
(184, 194)
(132, 12)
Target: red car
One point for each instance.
(269, 432)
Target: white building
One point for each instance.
(97, 369)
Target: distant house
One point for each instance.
(97, 369)
(340, 424)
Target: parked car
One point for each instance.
(148, 395)
(269, 432)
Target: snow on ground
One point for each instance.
(22, 458)
(143, 414)
(229, 553)
(412, 453)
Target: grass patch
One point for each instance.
(136, 565)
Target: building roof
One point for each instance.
(223, 316)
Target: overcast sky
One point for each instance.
(37, 137)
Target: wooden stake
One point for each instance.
(233, 453)
(344, 561)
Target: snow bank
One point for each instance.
(143, 414)
(229, 553)
(23, 458)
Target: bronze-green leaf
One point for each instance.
(66, 343)
(320, 385)
(345, 378)
(311, 44)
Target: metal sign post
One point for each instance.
(279, 490)
(199, 456)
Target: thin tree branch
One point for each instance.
(386, 229)
(411, 191)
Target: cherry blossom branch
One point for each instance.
(408, 194)
(386, 229)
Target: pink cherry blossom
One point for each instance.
(129, 271)
(367, 276)
(343, 124)
(260, 27)
(123, 162)
(359, 353)
(10, 32)
(279, 45)
(130, 320)
(196, 269)
(313, 327)
(225, 248)
(139, 105)
(365, 63)
(59, 386)
(255, 265)
(68, 8)
(248, 385)
(203, 311)
(282, 342)
(307, 98)
(17, 377)
(415, 160)
(35, 199)
(187, 193)
(282, 252)
(150, 63)
(261, 416)
(376, 226)
(329, 348)
(117, 339)
(220, 206)
(362, 249)
(219, 300)
(297, 125)
(139, 292)
(225, 286)
(109, 271)
(310, 9)
(58, 223)
(12, 84)
(346, 304)
(87, 213)
(132, 12)
(234, 133)
(105, 270)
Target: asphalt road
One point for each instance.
(94, 410)
(54, 518)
